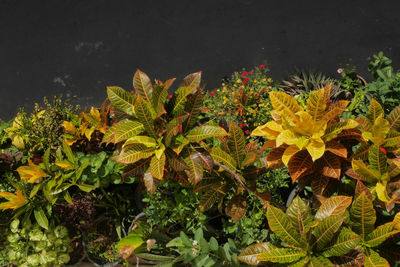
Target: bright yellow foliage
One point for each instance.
(301, 128)
(14, 201)
(32, 173)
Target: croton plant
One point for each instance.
(159, 134)
(312, 141)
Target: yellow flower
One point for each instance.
(255, 81)
(32, 172)
(264, 80)
(269, 79)
(238, 81)
(14, 202)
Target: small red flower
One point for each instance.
(261, 66)
(384, 150)
(211, 93)
(247, 132)
(241, 125)
(251, 72)
(132, 92)
(169, 96)
(215, 90)
(245, 80)
(244, 74)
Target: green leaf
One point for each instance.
(236, 143)
(281, 255)
(41, 218)
(153, 257)
(157, 166)
(370, 175)
(159, 97)
(67, 197)
(213, 244)
(211, 193)
(144, 113)
(142, 85)
(320, 261)
(299, 214)
(179, 98)
(133, 153)
(222, 157)
(375, 111)
(362, 215)
(122, 100)
(249, 255)
(122, 131)
(68, 152)
(281, 225)
(144, 140)
(46, 159)
(86, 187)
(127, 245)
(335, 205)
(342, 244)
(377, 159)
(193, 109)
(373, 259)
(205, 131)
(380, 234)
(326, 230)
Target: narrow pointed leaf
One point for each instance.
(224, 158)
(380, 234)
(236, 143)
(41, 218)
(375, 110)
(133, 153)
(159, 97)
(144, 114)
(377, 159)
(122, 131)
(193, 109)
(394, 118)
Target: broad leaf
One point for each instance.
(377, 159)
(157, 166)
(193, 109)
(144, 113)
(320, 261)
(316, 104)
(326, 230)
(320, 185)
(354, 258)
(274, 158)
(159, 97)
(32, 172)
(236, 143)
(373, 259)
(224, 158)
(122, 131)
(205, 131)
(195, 171)
(380, 234)
(362, 214)
(144, 140)
(122, 100)
(211, 194)
(342, 244)
(179, 98)
(371, 176)
(249, 255)
(133, 153)
(127, 245)
(362, 151)
(281, 255)
(337, 149)
(281, 225)
(175, 161)
(192, 80)
(375, 110)
(300, 165)
(236, 207)
(142, 85)
(333, 206)
(14, 200)
(136, 169)
(299, 214)
(394, 118)
(329, 165)
(285, 104)
(360, 187)
(150, 183)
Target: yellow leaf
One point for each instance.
(64, 164)
(265, 131)
(381, 192)
(69, 127)
(15, 201)
(379, 131)
(18, 141)
(31, 172)
(287, 137)
(396, 221)
(316, 148)
(95, 113)
(88, 133)
(284, 104)
(289, 152)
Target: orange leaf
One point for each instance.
(300, 165)
(32, 173)
(15, 201)
(336, 148)
(329, 165)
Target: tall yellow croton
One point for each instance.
(295, 128)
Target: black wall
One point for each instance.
(78, 47)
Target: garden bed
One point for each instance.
(304, 171)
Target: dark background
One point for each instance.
(78, 47)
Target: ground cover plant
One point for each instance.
(299, 172)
